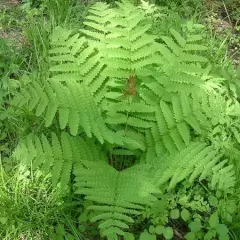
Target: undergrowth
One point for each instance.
(125, 125)
(30, 207)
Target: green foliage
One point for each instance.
(40, 153)
(196, 160)
(115, 197)
(61, 232)
(11, 64)
(29, 206)
(146, 235)
(214, 229)
(136, 124)
(74, 104)
(57, 157)
(186, 8)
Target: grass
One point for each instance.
(30, 208)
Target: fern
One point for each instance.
(75, 60)
(181, 67)
(129, 51)
(174, 121)
(118, 196)
(99, 16)
(126, 47)
(72, 102)
(57, 155)
(223, 177)
(148, 102)
(121, 195)
(196, 161)
(76, 108)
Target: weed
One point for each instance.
(29, 206)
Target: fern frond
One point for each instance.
(187, 57)
(151, 150)
(178, 54)
(74, 104)
(173, 123)
(195, 161)
(224, 179)
(99, 16)
(127, 47)
(179, 39)
(194, 47)
(116, 199)
(76, 60)
(55, 157)
(118, 118)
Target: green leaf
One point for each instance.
(159, 229)
(60, 229)
(185, 214)
(82, 228)
(152, 229)
(183, 200)
(128, 236)
(59, 237)
(214, 220)
(224, 237)
(190, 236)
(147, 236)
(210, 235)
(229, 218)
(69, 237)
(175, 214)
(83, 218)
(213, 201)
(195, 226)
(222, 229)
(168, 233)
